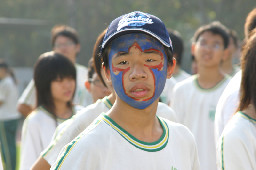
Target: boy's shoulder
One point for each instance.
(187, 83)
(94, 110)
(165, 111)
(238, 127)
(178, 129)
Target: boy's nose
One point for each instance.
(138, 72)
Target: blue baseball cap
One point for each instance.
(138, 22)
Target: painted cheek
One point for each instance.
(116, 71)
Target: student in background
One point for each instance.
(233, 48)
(65, 41)
(55, 83)
(179, 74)
(229, 99)
(9, 116)
(94, 85)
(193, 65)
(195, 98)
(237, 145)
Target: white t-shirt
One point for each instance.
(9, 97)
(227, 104)
(236, 69)
(181, 75)
(236, 148)
(167, 91)
(83, 119)
(195, 108)
(106, 145)
(82, 96)
(37, 132)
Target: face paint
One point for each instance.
(157, 70)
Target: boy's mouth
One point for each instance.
(139, 91)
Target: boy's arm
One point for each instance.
(71, 130)
(30, 144)
(41, 164)
(233, 154)
(177, 103)
(4, 91)
(27, 100)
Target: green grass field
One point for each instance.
(18, 156)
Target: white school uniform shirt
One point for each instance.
(83, 119)
(9, 97)
(106, 145)
(167, 91)
(37, 132)
(181, 75)
(236, 148)
(82, 96)
(195, 108)
(227, 104)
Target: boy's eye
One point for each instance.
(123, 62)
(150, 60)
(216, 46)
(202, 43)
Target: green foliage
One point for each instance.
(20, 45)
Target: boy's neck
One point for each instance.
(141, 123)
(209, 77)
(250, 111)
(227, 67)
(112, 98)
(62, 110)
(176, 70)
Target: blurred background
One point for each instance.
(25, 25)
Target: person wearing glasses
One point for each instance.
(94, 85)
(195, 99)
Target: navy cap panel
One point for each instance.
(141, 22)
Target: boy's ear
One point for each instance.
(87, 85)
(106, 74)
(78, 48)
(226, 54)
(193, 48)
(170, 68)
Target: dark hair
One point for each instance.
(5, 66)
(105, 52)
(232, 34)
(216, 28)
(48, 68)
(248, 82)
(96, 55)
(66, 31)
(91, 69)
(177, 43)
(250, 23)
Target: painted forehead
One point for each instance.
(145, 41)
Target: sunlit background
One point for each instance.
(25, 25)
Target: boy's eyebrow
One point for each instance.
(152, 51)
(120, 53)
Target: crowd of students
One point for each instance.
(134, 107)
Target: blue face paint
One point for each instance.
(158, 72)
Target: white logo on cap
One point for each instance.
(134, 19)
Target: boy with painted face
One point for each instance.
(137, 58)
